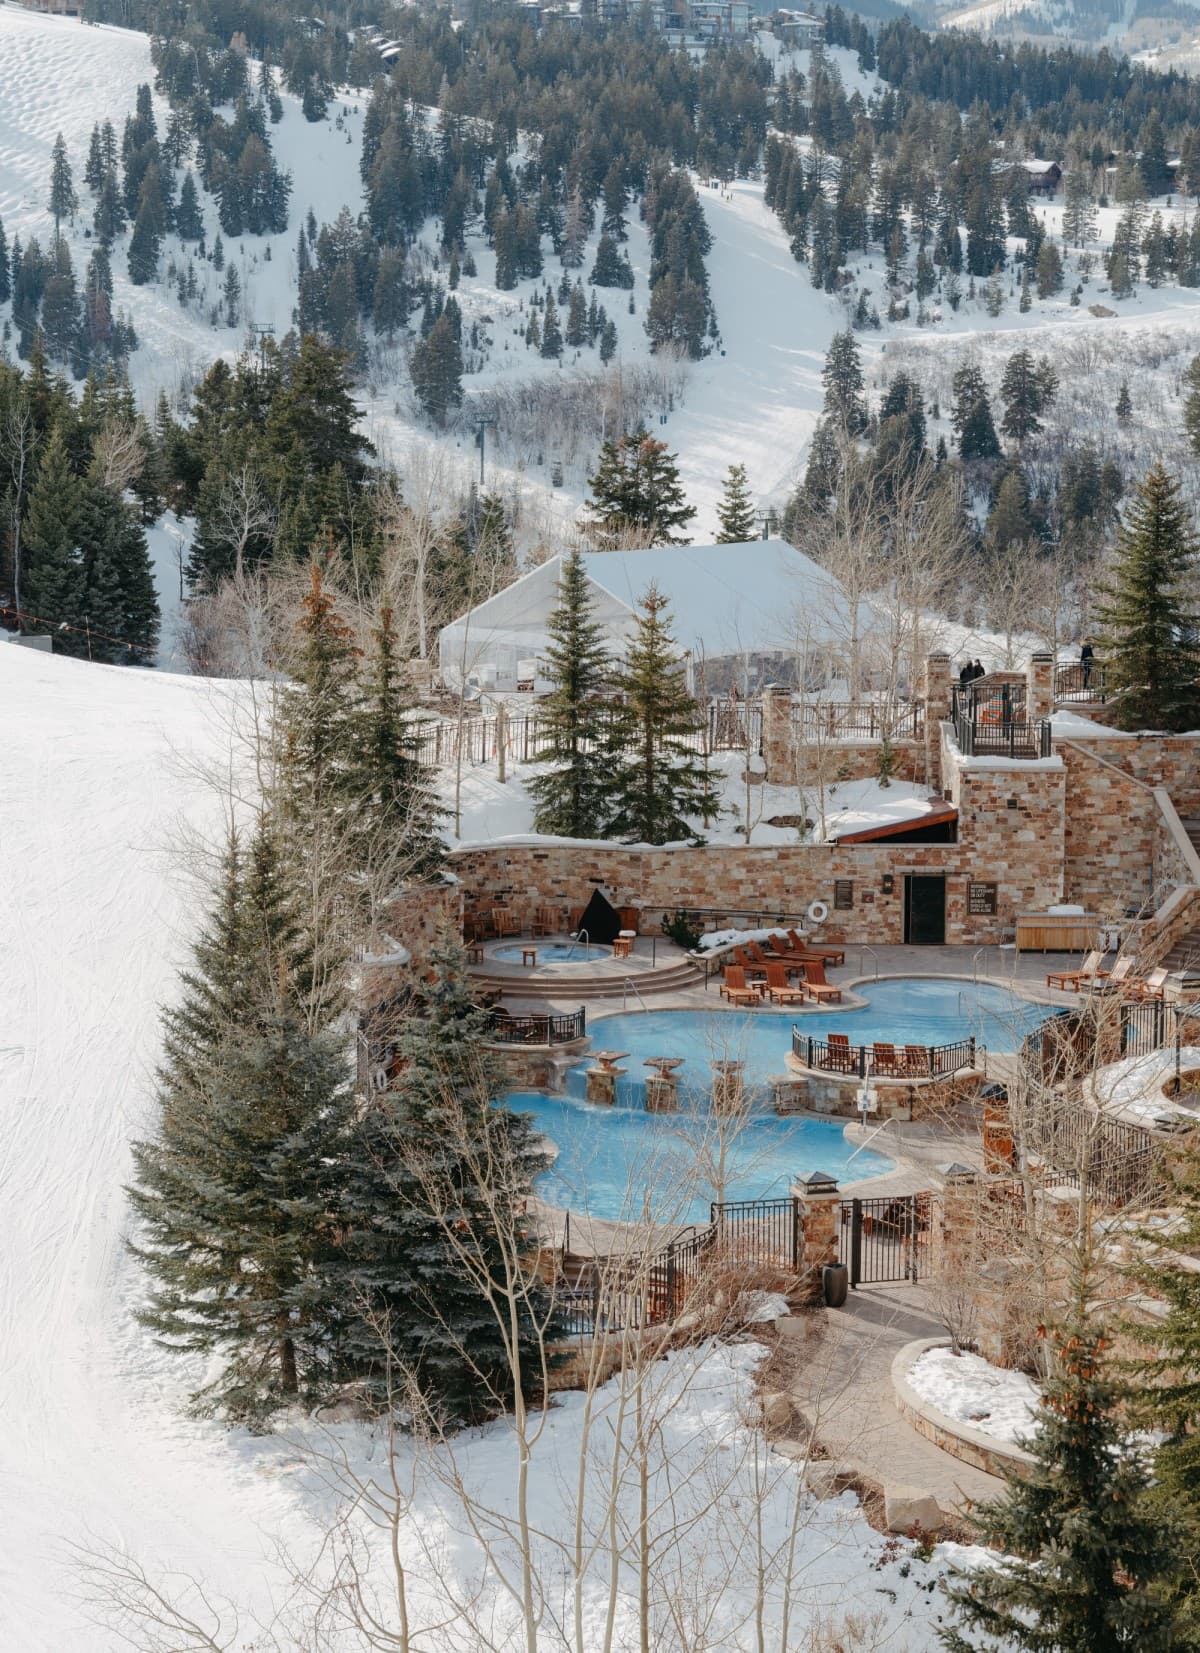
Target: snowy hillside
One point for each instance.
(1167, 35)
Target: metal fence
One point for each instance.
(856, 720)
(993, 721)
(883, 1061)
(1119, 1163)
(1081, 680)
(885, 1240)
(504, 1029)
(654, 1290)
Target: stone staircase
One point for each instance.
(1185, 955)
(607, 984)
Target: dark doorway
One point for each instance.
(925, 909)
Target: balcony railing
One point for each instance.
(993, 722)
(882, 1061)
(1085, 680)
(504, 1029)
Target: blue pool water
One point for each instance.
(902, 1010)
(551, 952)
(610, 1160)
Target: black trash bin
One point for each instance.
(835, 1283)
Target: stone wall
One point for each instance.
(418, 916)
(1170, 761)
(1111, 830)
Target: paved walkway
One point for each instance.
(840, 1383)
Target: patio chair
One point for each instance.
(841, 1057)
(885, 1061)
(505, 922)
(1071, 981)
(779, 990)
(831, 955)
(750, 966)
(1152, 987)
(916, 1062)
(547, 921)
(820, 989)
(734, 986)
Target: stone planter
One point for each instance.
(959, 1439)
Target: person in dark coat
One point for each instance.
(977, 670)
(966, 674)
(1086, 657)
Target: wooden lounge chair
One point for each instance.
(885, 1061)
(751, 967)
(1071, 981)
(1152, 987)
(841, 1057)
(814, 980)
(778, 988)
(547, 921)
(916, 1062)
(734, 986)
(831, 955)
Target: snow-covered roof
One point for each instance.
(757, 597)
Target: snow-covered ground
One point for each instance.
(491, 809)
(1132, 1089)
(990, 1398)
(103, 768)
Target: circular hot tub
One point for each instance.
(550, 952)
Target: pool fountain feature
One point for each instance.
(662, 1083)
(602, 1079)
(728, 1087)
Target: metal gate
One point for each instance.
(884, 1240)
(758, 1231)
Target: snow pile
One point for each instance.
(1133, 1088)
(714, 939)
(967, 1387)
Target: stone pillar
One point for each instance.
(956, 1229)
(728, 1087)
(939, 678)
(779, 755)
(662, 1093)
(997, 1138)
(1039, 686)
(818, 1209)
(602, 1085)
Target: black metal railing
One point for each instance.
(651, 1290)
(885, 1240)
(504, 1029)
(1117, 1162)
(1152, 1024)
(992, 721)
(1081, 680)
(883, 1061)
(856, 720)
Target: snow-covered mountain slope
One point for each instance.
(1168, 36)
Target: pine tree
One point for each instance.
(1079, 209)
(93, 172)
(439, 1182)
(636, 488)
(1124, 408)
(735, 508)
(436, 369)
(231, 295)
(972, 415)
(143, 246)
(52, 574)
(842, 377)
(569, 797)
(63, 200)
(1027, 388)
(1149, 634)
(317, 722)
(656, 780)
(1085, 1556)
(189, 220)
(577, 318)
(109, 219)
(1049, 270)
(5, 268)
(397, 808)
(238, 1193)
(552, 340)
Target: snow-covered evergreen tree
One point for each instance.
(735, 508)
(569, 796)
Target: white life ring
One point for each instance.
(818, 912)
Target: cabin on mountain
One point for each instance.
(1044, 177)
(799, 29)
(56, 8)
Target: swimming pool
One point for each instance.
(626, 1163)
(914, 1010)
(551, 952)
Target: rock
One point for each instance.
(795, 1450)
(776, 1411)
(905, 1508)
(821, 1479)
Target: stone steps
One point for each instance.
(532, 984)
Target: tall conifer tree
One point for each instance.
(655, 778)
(735, 508)
(1149, 631)
(569, 796)
(636, 489)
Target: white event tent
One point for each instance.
(751, 602)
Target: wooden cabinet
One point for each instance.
(1057, 932)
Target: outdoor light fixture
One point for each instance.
(1011, 802)
(886, 883)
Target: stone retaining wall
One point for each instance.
(973, 1446)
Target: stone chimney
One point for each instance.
(1039, 686)
(939, 679)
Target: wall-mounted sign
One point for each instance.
(981, 900)
(843, 894)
